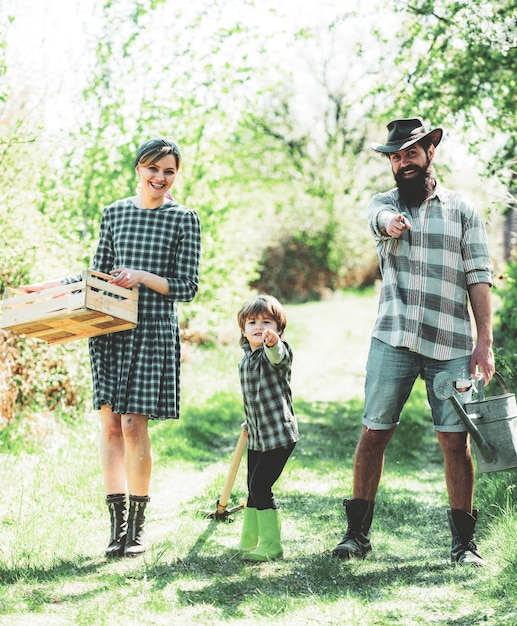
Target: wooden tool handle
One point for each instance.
(232, 472)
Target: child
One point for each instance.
(265, 372)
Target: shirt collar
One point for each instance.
(437, 192)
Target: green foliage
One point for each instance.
(468, 65)
(34, 379)
(505, 328)
(205, 431)
(498, 492)
(38, 380)
(298, 268)
(456, 61)
(313, 234)
(305, 265)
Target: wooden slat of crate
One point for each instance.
(72, 311)
(18, 315)
(80, 324)
(82, 320)
(105, 304)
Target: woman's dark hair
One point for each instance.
(154, 149)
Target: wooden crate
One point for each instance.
(87, 308)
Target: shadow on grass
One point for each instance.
(411, 543)
(329, 432)
(59, 569)
(317, 576)
(224, 581)
(36, 585)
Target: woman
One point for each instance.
(154, 243)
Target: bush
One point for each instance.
(297, 268)
(303, 266)
(34, 375)
(505, 328)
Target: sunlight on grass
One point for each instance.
(330, 341)
(305, 480)
(54, 522)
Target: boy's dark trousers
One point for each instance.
(264, 469)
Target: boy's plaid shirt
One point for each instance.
(267, 399)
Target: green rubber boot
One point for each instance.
(269, 546)
(249, 534)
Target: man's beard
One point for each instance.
(416, 189)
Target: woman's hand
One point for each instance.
(126, 277)
(47, 284)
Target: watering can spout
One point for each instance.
(443, 386)
(486, 450)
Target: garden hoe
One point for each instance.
(221, 513)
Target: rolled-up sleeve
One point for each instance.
(476, 258)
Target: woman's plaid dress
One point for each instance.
(137, 371)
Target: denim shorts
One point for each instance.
(390, 376)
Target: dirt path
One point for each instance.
(330, 342)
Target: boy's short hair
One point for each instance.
(264, 305)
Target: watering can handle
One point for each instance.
(480, 385)
(502, 382)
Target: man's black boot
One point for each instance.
(463, 547)
(356, 541)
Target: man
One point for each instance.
(433, 257)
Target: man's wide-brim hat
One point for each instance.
(406, 132)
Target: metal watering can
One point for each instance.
(491, 422)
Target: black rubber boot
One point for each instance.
(117, 506)
(356, 541)
(135, 540)
(463, 548)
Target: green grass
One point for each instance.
(54, 524)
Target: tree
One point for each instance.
(455, 61)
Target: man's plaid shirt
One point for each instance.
(266, 392)
(425, 273)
